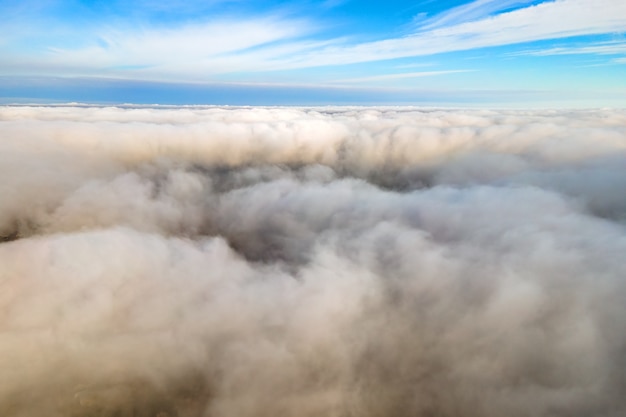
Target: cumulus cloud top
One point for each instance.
(207, 261)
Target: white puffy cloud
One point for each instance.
(206, 261)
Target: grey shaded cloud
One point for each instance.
(205, 261)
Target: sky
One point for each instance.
(505, 52)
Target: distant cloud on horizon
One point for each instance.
(90, 90)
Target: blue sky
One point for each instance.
(518, 52)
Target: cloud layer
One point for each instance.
(331, 261)
(259, 41)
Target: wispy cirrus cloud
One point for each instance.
(192, 50)
(600, 48)
(553, 20)
(468, 12)
(205, 49)
(402, 75)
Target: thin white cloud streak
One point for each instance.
(476, 10)
(415, 65)
(403, 75)
(603, 48)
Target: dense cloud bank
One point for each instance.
(312, 262)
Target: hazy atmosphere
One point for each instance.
(208, 261)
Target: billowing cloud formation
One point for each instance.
(312, 262)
